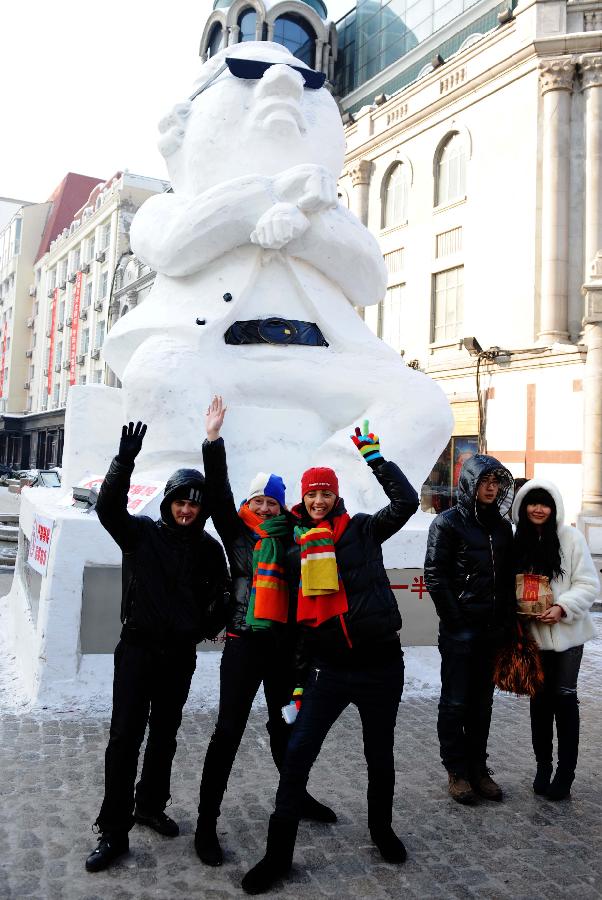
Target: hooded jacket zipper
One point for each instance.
(493, 567)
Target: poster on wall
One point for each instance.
(39, 545)
(74, 328)
(140, 493)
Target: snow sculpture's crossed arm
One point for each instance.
(179, 236)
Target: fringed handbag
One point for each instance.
(518, 668)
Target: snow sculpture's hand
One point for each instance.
(214, 418)
(279, 225)
(311, 188)
(367, 443)
(130, 444)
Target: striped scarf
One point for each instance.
(321, 592)
(268, 602)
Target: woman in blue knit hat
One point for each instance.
(259, 646)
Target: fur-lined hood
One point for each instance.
(548, 486)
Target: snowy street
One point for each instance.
(527, 847)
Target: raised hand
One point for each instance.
(367, 443)
(214, 417)
(131, 441)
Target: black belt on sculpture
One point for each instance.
(275, 331)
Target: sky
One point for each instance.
(83, 86)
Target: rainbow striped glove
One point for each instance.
(367, 443)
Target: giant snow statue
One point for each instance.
(258, 270)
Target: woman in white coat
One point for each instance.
(545, 546)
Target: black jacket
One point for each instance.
(373, 616)
(468, 564)
(173, 577)
(238, 540)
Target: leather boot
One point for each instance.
(206, 842)
(159, 822)
(110, 847)
(391, 848)
(460, 789)
(278, 859)
(315, 811)
(484, 785)
(541, 782)
(542, 731)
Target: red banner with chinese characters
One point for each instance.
(74, 327)
(55, 300)
(4, 330)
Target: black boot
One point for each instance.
(110, 846)
(566, 709)
(206, 842)
(159, 822)
(278, 859)
(542, 730)
(391, 848)
(315, 811)
(541, 782)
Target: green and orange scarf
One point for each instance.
(321, 592)
(268, 602)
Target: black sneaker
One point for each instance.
(159, 822)
(110, 846)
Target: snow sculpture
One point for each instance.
(253, 230)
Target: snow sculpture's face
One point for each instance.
(238, 127)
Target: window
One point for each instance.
(90, 255)
(105, 236)
(99, 334)
(439, 491)
(84, 341)
(390, 317)
(448, 304)
(97, 377)
(395, 197)
(88, 294)
(296, 34)
(102, 284)
(82, 379)
(76, 260)
(247, 23)
(215, 41)
(451, 171)
(16, 236)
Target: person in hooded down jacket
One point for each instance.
(174, 581)
(349, 651)
(260, 645)
(469, 575)
(544, 545)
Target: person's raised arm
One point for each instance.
(403, 498)
(111, 506)
(218, 493)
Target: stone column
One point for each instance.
(360, 172)
(592, 392)
(556, 80)
(591, 71)
(318, 58)
(233, 32)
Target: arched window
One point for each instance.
(296, 34)
(215, 41)
(450, 173)
(395, 197)
(247, 22)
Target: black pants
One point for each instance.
(150, 686)
(557, 700)
(375, 691)
(247, 660)
(467, 660)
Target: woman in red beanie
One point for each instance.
(349, 623)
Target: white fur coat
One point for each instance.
(576, 590)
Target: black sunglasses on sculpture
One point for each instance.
(254, 69)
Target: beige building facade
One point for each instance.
(481, 180)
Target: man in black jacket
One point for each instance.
(468, 572)
(173, 581)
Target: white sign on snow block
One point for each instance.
(39, 545)
(140, 493)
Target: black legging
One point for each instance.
(247, 660)
(557, 700)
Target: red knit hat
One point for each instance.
(319, 479)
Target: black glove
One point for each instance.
(131, 442)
